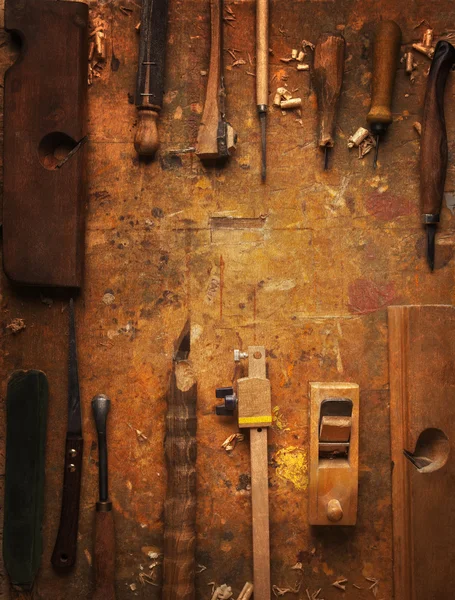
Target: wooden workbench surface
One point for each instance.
(304, 265)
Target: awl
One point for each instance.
(262, 74)
(433, 144)
(65, 549)
(387, 44)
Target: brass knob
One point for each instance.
(334, 511)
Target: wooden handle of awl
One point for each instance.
(433, 142)
(328, 78)
(146, 140)
(387, 44)
(180, 504)
(262, 52)
(104, 556)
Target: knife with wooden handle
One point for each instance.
(65, 549)
(433, 144)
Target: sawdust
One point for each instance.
(16, 325)
(293, 466)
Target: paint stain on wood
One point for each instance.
(368, 296)
(388, 207)
(293, 466)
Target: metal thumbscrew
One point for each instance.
(238, 355)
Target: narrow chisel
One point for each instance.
(65, 549)
(262, 74)
(433, 144)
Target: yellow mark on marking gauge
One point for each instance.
(245, 420)
(293, 466)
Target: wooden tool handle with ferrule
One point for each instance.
(387, 44)
(104, 554)
(262, 52)
(433, 143)
(328, 78)
(150, 74)
(180, 504)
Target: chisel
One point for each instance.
(328, 78)
(216, 139)
(104, 521)
(64, 555)
(433, 144)
(387, 44)
(179, 565)
(262, 74)
(150, 74)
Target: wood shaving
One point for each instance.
(141, 437)
(230, 442)
(201, 569)
(246, 592)
(297, 567)
(16, 325)
(418, 127)
(238, 62)
(223, 592)
(145, 578)
(340, 584)
(283, 591)
(314, 595)
(126, 11)
(358, 587)
(286, 60)
(307, 44)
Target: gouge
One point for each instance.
(104, 521)
(433, 144)
(180, 450)
(328, 78)
(216, 139)
(64, 555)
(387, 44)
(262, 74)
(150, 74)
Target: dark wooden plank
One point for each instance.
(44, 150)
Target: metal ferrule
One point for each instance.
(262, 108)
(430, 219)
(104, 506)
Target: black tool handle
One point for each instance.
(433, 143)
(104, 555)
(101, 406)
(65, 549)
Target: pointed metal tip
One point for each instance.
(262, 117)
(183, 343)
(376, 152)
(431, 235)
(326, 158)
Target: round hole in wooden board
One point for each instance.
(54, 148)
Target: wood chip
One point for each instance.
(238, 62)
(307, 44)
(231, 441)
(286, 60)
(16, 325)
(340, 584)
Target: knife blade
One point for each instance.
(65, 549)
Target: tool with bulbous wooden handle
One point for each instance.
(104, 520)
(150, 74)
(433, 144)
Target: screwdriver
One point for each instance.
(104, 522)
(328, 78)
(386, 50)
(262, 73)
(433, 144)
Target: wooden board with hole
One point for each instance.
(422, 415)
(44, 150)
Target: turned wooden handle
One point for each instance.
(328, 78)
(104, 556)
(207, 141)
(433, 142)
(180, 504)
(387, 44)
(146, 140)
(262, 52)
